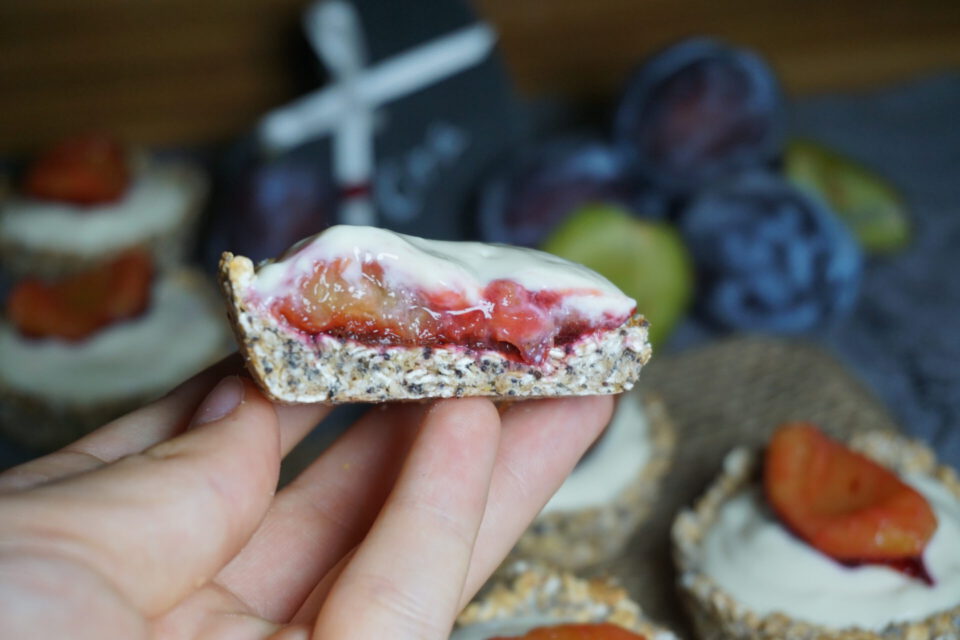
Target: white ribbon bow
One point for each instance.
(347, 107)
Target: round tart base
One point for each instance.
(583, 537)
(169, 247)
(532, 592)
(46, 422)
(718, 616)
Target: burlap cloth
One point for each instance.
(734, 391)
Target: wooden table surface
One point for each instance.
(186, 72)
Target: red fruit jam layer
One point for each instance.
(598, 631)
(521, 324)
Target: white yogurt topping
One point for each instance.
(615, 461)
(157, 201)
(436, 265)
(180, 333)
(758, 562)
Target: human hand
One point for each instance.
(167, 524)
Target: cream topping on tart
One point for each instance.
(748, 553)
(181, 332)
(158, 200)
(621, 452)
(380, 287)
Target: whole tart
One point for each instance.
(160, 210)
(818, 590)
(53, 391)
(532, 595)
(610, 493)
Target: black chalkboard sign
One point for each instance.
(416, 106)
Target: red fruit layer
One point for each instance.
(599, 631)
(844, 504)
(84, 170)
(521, 324)
(80, 305)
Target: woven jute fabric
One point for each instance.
(732, 392)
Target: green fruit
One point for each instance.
(647, 260)
(869, 205)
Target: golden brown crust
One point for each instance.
(531, 590)
(717, 615)
(293, 369)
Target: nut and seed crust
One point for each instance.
(532, 589)
(718, 616)
(584, 537)
(293, 368)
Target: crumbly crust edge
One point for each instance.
(533, 589)
(293, 369)
(718, 615)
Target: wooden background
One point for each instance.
(197, 71)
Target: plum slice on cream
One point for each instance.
(382, 291)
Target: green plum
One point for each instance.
(646, 259)
(867, 204)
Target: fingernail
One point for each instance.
(225, 397)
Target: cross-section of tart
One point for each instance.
(89, 198)
(610, 492)
(365, 314)
(825, 540)
(538, 603)
(84, 349)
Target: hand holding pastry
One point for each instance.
(387, 534)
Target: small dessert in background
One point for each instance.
(89, 198)
(833, 541)
(81, 350)
(611, 491)
(360, 314)
(532, 601)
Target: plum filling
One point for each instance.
(342, 299)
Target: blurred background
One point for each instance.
(174, 72)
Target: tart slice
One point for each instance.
(836, 542)
(538, 603)
(364, 314)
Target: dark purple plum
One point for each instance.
(768, 257)
(278, 203)
(529, 196)
(698, 111)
